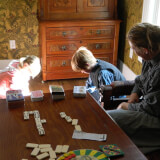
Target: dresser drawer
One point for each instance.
(98, 32)
(62, 32)
(62, 47)
(79, 32)
(60, 68)
(59, 63)
(69, 47)
(98, 46)
(63, 64)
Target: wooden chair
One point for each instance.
(111, 93)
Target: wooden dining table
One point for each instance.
(15, 132)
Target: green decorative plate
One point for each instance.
(84, 154)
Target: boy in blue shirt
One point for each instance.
(100, 72)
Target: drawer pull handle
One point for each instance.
(64, 34)
(63, 63)
(97, 46)
(63, 48)
(98, 31)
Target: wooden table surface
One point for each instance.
(15, 132)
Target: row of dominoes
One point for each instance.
(27, 113)
(69, 119)
(46, 150)
(38, 121)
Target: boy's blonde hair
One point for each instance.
(33, 62)
(82, 59)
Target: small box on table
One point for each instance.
(15, 98)
(57, 92)
(79, 91)
(37, 95)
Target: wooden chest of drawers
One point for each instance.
(60, 39)
(77, 9)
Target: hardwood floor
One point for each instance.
(37, 83)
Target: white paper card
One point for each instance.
(89, 136)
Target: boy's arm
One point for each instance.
(105, 77)
(89, 85)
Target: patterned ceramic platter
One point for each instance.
(84, 154)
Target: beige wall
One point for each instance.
(130, 12)
(18, 21)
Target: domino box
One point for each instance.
(79, 91)
(57, 92)
(37, 95)
(14, 98)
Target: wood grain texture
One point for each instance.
(15, 132)
(68, 84)
(77, 9)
